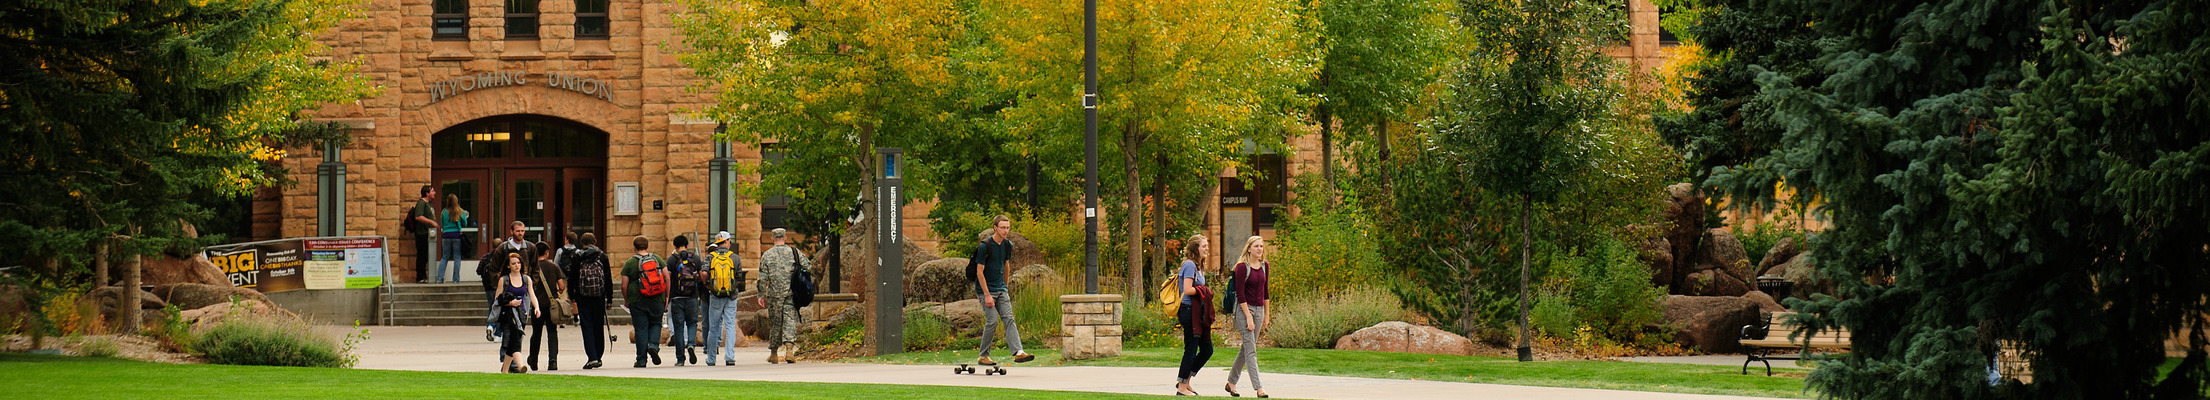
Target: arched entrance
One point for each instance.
(548, 172)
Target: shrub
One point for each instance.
(1599, 296)
(253, 339)
(1327, 249)
(926, 331)
(173, 331)
(1315, 322)
(1060, 239)
(1146, 324)
(98, 346)
(62, 313)
(1760, 238)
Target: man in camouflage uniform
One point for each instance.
(776, 266)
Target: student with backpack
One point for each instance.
(545, 327)
(724, 279)
(592, 286)
(683, 295)
(645, 282)
(515, 305)
(987, 271)
(780, 269)
(419, 224)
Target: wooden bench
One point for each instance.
(1769, 340)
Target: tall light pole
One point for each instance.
(1089, 144)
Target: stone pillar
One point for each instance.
(1091, 323)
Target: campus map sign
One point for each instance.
(305, 263)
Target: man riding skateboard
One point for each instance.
(987, 268)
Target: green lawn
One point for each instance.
(1619, 375)
(56, 377)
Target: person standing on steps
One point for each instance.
(419, 224)
(645, 280)
(450, 237)
(1249, 284)
(725, 279)
(543, 328)
(777, 264)
(988, 268)
(1195, 313)
(592, 286)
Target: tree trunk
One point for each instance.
(99, 264)
(1129, 145)
(1382, 138)
(127, 304)
(1158, 224)
(1526, 259)
(864, 273)
(1327, 151)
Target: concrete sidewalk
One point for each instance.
(462, 349)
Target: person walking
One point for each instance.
(777, 264)
(515, 303)
(450, 221)
(592, 286)
(683, 299)
(645, 283)
(725, 278)
(997, 305)
(1249, 284)
(1195, 313)
(493, 264)
(544, 329)
(419, 224)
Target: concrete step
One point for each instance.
(614, 323)
(403, 297)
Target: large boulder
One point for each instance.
(1714, 283)
(1804, 273)
(1657, 253)
(156, 271)
(1782, 251)
(1400, 337)
(962, 316)
(753, 323)
(196, 295)
(13, 303)
(1684, 217)
(1035, 276)
(1025, 251)
(203, 317)
(113, 303)
(939, 281)
(1723, 252)
(1765, 302)
(1709, 323)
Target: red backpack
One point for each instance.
(655, 282)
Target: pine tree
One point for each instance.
(2022, 175)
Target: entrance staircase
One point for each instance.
(453, 304)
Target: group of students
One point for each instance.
(1245, 297)
(691, 290)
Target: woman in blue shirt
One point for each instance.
(450, 220)
(1193, 314)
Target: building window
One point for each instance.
(449, 20)
(521, 19)
(1270, 186)
(591, 19)
(774, 210)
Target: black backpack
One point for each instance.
(801, 285)
(1227, 296)
(591, 274)
(686, 267)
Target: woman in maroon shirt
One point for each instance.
(1250, 292)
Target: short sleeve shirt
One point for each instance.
(1189, 270)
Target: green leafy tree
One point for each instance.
(1179, 84)
(2022, 175)
(1381, 58)
(1524, 108)
(828, 82)
(113, 110)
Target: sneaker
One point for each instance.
(1024, 357)
(655, 356)
(594, 364)
(490, 334)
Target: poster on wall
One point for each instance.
(307, 263)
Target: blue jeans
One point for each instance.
(683, 312)
(721, 328)
(448, 252)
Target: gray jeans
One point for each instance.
(990, 317)
(1247, 357)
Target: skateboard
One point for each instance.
(990, 370)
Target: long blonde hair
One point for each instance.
(1246, 254)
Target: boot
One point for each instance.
(775, 355)
(790, 353)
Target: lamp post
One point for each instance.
(1089, 144)
(330, 192)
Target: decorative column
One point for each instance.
(330, 193)
(1091, 323)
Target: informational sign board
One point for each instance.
(319, 263)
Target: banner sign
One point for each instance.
(305, 263)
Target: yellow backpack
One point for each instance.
(723, 276)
